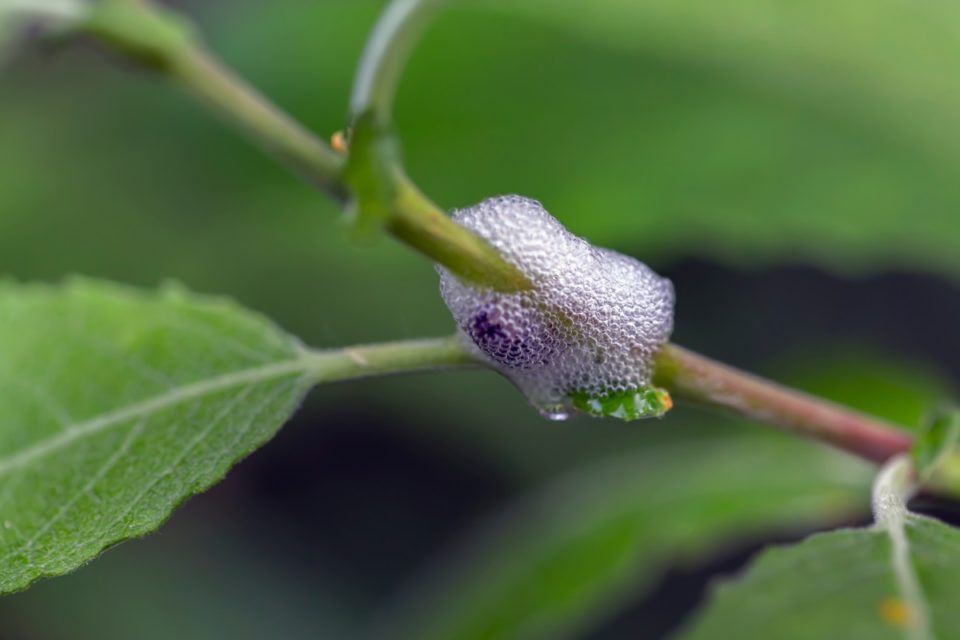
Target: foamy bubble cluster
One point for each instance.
(584, 335)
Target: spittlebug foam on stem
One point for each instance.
(584, 336)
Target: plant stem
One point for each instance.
(162, 41)
(892, 489)
(236, 102)
(695, 378)
(419, 223)
(385, 195)
(408, 356)
(385, 55)
(683, 373)
(159, 40)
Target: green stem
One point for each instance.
(388, 48)
(385, 195)
(684, 374)
(408, 356)
(164, 42)
(235, 101)
(419, 223)
(161, 41)
(693, 377)
(892, 489)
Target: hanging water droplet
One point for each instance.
(555, 414)
(583, 337)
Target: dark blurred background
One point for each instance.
(792, 170)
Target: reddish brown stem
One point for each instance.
(696, 378)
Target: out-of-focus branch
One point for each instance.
(163, 42)
(373, 178)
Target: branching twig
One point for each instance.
(164, 43)
(160, 41)
(385, 55)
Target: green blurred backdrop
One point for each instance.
(795, 168)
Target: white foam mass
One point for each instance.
(590, 325)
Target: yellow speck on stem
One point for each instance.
(666, 400)
(896, 612)
(339, 142)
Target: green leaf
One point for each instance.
(896, 579)
(369, 171)
(753, 133)
(818, 51)
(560, 560)
(936, 453)
(119, 405)
(646, 402)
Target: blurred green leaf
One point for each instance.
(897, 388)
(896, 579)
(885, 60)
(585, 545)
(657, 152)
(936, 453)
(118, 406)
(212, 583)
(751, 133)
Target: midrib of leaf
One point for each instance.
(890, 512)
(221, 381)
(65, 508)
(156, 404)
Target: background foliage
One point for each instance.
(791, 168)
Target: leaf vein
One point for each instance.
(155, 404)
